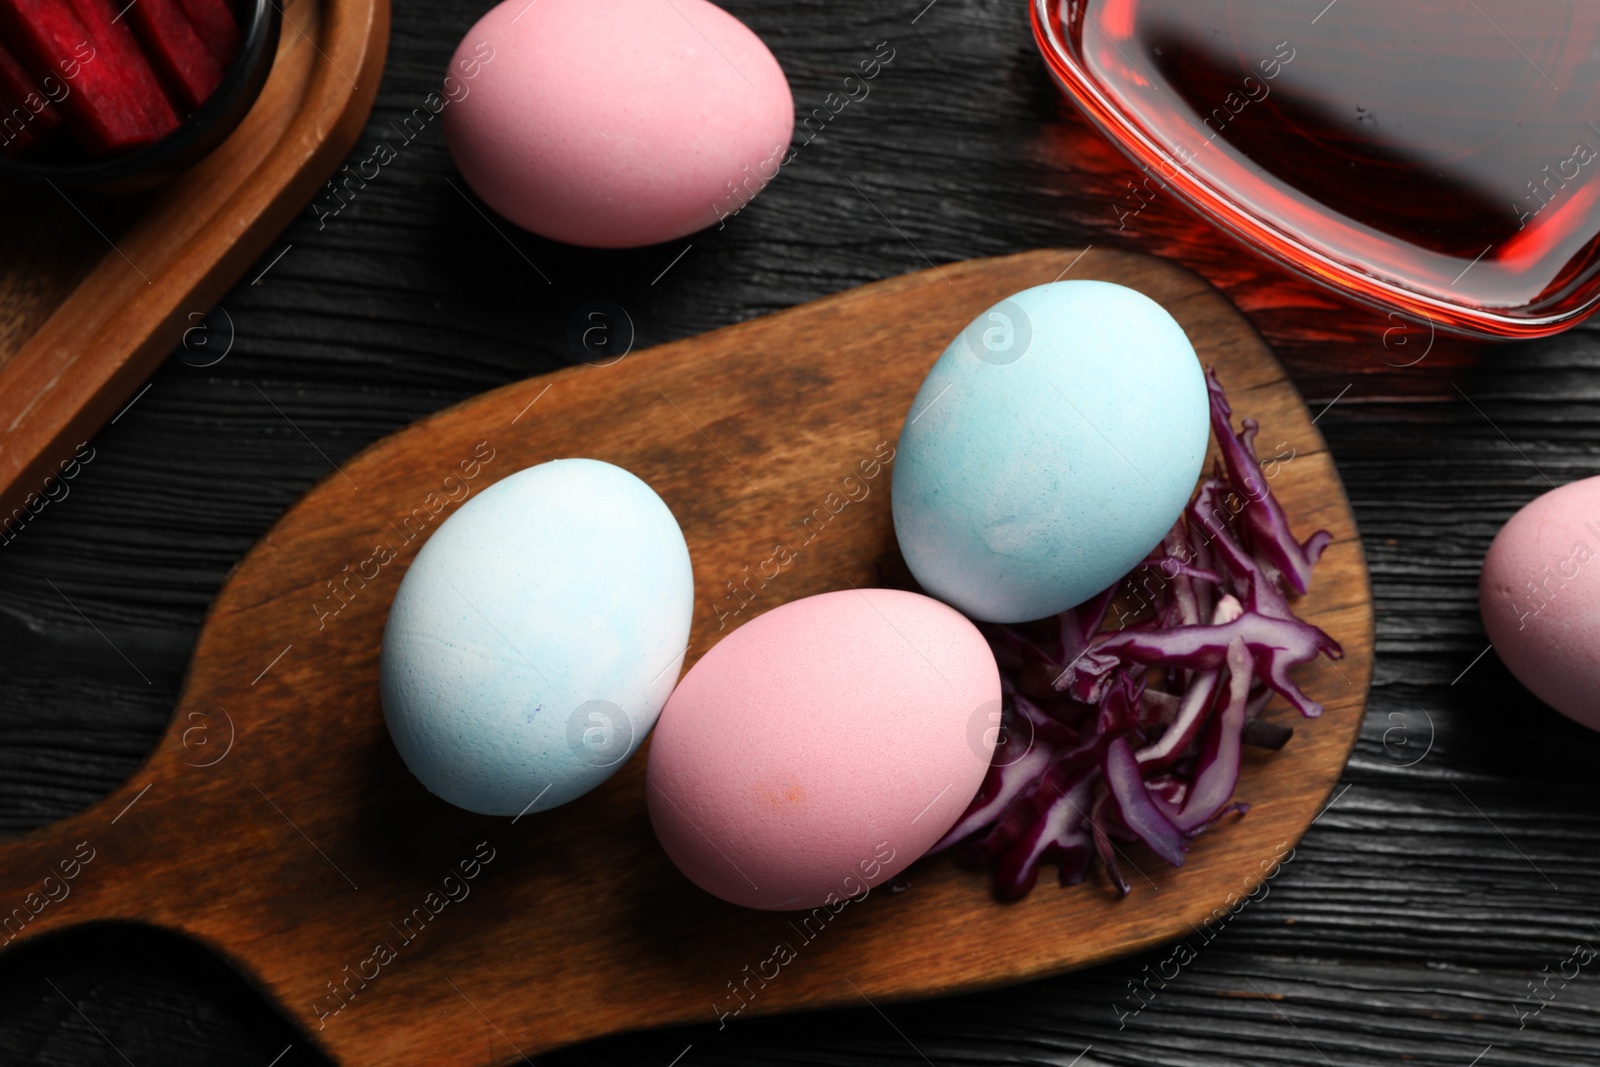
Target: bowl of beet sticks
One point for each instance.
(120, 95)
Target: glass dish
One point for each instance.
(1433, 157)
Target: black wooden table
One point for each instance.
(1452, 869)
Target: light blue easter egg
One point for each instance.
(536, 637)
(1049, 450)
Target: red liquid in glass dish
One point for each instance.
(1439, 156)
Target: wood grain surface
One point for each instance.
(94, 293)
(276, 823)
(1458, 862)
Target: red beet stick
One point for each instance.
(101, 107)
(175, 51)
(23, 89)
(116, 47)
(16, 127)
(213, 20)
(29, 112)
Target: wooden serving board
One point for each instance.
(95, 293)
(276, 824)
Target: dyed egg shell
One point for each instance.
(822, 747)
(1540, 599)
(1049, 449)
(534, 640)
(616, 124)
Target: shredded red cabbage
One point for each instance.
(1132, 729)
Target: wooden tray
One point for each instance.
(94, 294)
(276, 824)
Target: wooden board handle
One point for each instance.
(100, 864)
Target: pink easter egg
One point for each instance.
(1540, 598)
(615, 123)
(822, 747)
